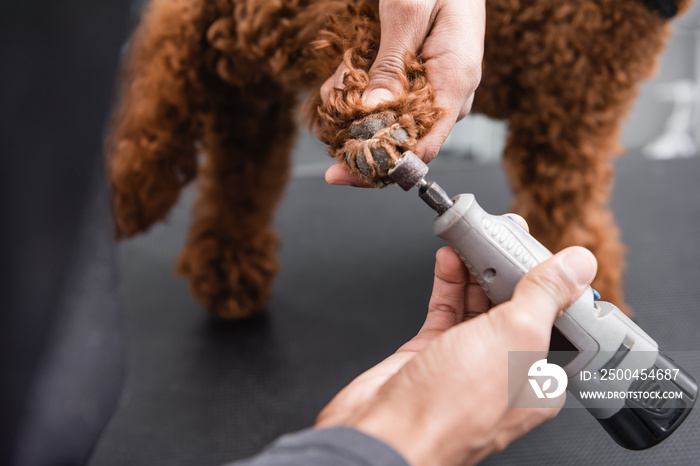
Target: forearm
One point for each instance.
(339, 446)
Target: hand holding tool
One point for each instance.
(498, 252)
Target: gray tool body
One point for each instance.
(498, 252)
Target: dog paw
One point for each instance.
(144, 191)
(366, 138)
(232, 278)
(376, 142)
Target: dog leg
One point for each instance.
(550, 71)
(563, 193)
(230, 255)
(151, 148)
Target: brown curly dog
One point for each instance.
(221, 78)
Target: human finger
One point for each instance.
(519, 220)
(544, 292)
(453, 52)
(340, 175)
(446, 306)
(334, 82)
(404, 27)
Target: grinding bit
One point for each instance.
(408, 171)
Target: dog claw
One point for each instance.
(367, 128)
(400, 135)
(381, 158)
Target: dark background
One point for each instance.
(61, 358)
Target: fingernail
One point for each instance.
(579, 265)
(339, 182)
(340, 83)
(378, 96)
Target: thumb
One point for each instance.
(404, 27)
(555, 284)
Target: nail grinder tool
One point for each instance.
(498, 252)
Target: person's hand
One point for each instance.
(442, 398)
(449, 34)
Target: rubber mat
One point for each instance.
(356, 277)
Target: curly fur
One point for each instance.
(221, 78)
(413, 110)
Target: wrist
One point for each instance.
(415, 435)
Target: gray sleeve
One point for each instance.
(337, 446)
